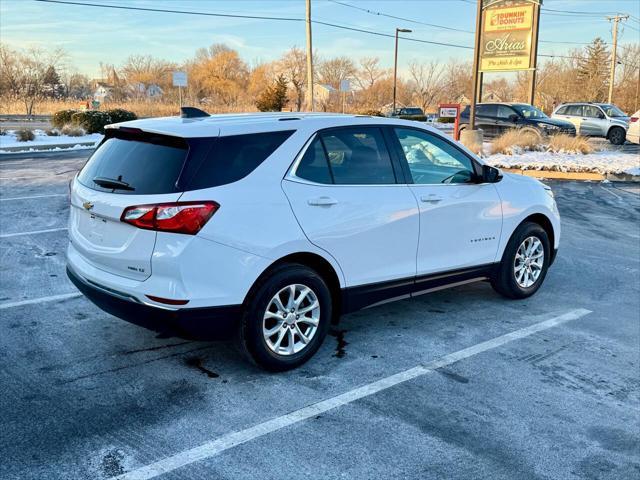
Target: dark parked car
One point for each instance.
(405, 112)
(496, 118)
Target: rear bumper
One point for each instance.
(204, 323)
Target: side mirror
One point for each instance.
(514, 118)
(490, 174)
(601, 115)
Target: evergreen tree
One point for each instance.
(593, 71)
(274, 97)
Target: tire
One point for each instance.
(285, 349)
(505, 280)
(617, 136)
(539, 135)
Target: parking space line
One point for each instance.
(612, 193)
(240, 437)
(33, 196)
(33, 301)
(35, 232)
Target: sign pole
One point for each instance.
(476, 67)
(534, 52)
(180, 95)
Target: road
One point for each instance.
(423, 388)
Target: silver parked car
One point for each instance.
(595, 120)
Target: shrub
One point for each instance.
(72, 130)
(516, 141)
(25, 135)
(569, 144)
(92, 121)
(52, 132)
(417, 118)
(446, 120)
(121, 115)
(62, 117)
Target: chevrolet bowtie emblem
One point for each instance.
(87, 205)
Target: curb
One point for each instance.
(579, 176)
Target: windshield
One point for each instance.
(612, 111)
(412, 111)
(527, 111)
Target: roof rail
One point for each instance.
(192, 112)
(285, 119)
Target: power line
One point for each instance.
(381, 14)
(259, 17)
(163, 10)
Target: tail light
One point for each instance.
(634, 119)
(178, 217)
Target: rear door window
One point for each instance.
(144, 166)
(358, 156)
(487, 110)
(313, 165)
(574, 110)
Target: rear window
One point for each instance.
(234, 157)
(135, 167)
(140, 163)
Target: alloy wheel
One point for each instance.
(528, 263)
(291, 319)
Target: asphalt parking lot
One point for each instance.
(457, 384)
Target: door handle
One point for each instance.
(322, 201)
(432, 198)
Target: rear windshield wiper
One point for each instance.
(112, 183)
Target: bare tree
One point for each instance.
(333, 71)
(369, 72)
(428, 82)
(28, 71)
(293, 65)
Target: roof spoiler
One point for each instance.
(192, 112)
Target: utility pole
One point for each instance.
(534, 53)
(310, 102)
(476, 66)
(614, 59)
(395, 67)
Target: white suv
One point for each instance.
(274, 225)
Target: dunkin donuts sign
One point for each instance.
(506, 37)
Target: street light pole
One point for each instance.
(395, 67)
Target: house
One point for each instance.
(487, 96)
(102, 92)
(140, 90)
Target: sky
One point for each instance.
(91, 35)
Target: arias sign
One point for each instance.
(507, 31)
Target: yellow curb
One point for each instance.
(557, 175)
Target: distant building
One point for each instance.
(487, 96)
(140, 90)
(102, 92)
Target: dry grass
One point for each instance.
(52, 132)
(72, 130)
(515, 141)
(140, 108)
(25, 135)
(567, 144)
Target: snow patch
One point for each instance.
(597, 162)
(42, 139)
